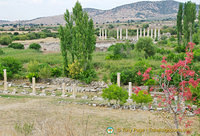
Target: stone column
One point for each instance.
(130, 90)
(155, 35)
(63, 89)
(140, 32)
(105, 34)
(117, 33)
(102, 34)
(144, 32)
(5, 80)
(126, 34)
(33, 86)
(152, 33)
(158, 33)
(182, 103)
(118, 79)
(155, 102)
(74, 91)
(121, 34)
(137, 34)
(148, 32)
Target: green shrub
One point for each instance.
(120, 50)
(75, 69)
(180, 49)
(146, 44)
(13, 66)
(163, 37)
(33, 67)
(56, 72)
(196, 94)
(175, 57)
(88, 75)
(172, 38)
(20, 37)
(45, 72)
(31, 75)
(114, 92)
(142, 97)
(1, 52)
(163, 42)
(196, 38)
(5, 40)
(113, 57)
(157, 57)
(105, 78)
(34, 46)
(130, 74)
(150, 82)
(16, 46)
(197, 54)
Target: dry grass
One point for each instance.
(53, 119)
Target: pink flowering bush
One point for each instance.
(177, 93)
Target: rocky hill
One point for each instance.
(145, 10)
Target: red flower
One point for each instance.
(139, 73)
(164, 60)
(197, 111)
(163, 66)
(151, 89)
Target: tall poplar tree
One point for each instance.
(77, 37)
(199, 16)
(179, 23)
(189, 18)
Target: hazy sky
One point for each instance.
(30, 9)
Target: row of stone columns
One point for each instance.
(119, 32)
(102, 35)
(34, 86)
(153, 33)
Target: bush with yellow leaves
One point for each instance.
(75, 69)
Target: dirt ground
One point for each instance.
(51, 118)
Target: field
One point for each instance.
(55, 59)
(50, 118)
(50, 114)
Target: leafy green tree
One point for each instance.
(145, 26)
(77, 37)
(16, 46)
(189, 18)
(146, 44)
(5, 40)
(12, 65)
(179, 23)
(114, 92)
(34, 46)
(110, 26)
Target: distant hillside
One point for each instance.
(3, 21)
(145, 10)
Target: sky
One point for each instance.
(29, 9)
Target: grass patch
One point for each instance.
(16, 96)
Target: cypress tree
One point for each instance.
(199, 16)
(179, 23)
(189, 18)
